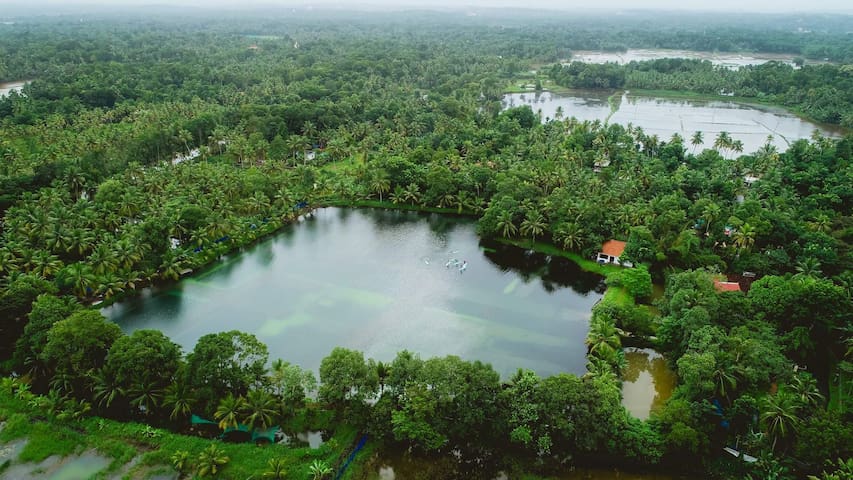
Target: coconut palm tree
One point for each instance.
(379, 182)
(228, 411)
(398, 195)
(779, 414)
(808, 267)
(45, 265)
(602, 338)
(533, 225)
(171, 265)
(79, 277)
(103, 260)
(180, 398)
(723, 141)
(259, 409)
(724, 381)
(570, 236)
(710, 213)
(745, 237)
(506, 225)
(804, 388)
(146, 396)
(105, 389)
(412, 193)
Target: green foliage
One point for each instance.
(181, 461)
(46, 311)
(225, 362)
(78, 345)
(210, 461)
(345, 376)
(319, 470)
(145, 358)
(637, 281)
(277, 469)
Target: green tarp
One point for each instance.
(196, 420)
(268, 434)
(255, 435)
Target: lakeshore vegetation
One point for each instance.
(144, 150)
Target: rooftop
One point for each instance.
(614, 248)
(727, 286)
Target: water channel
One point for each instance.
(751, 124)
(378, 281)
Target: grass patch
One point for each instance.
(46, 440)
(619, 296)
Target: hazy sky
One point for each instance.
(811, 6)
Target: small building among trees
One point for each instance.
(726, 286)
(610, 252)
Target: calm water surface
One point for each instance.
(664, 117)
(647, 382)
(376, 281)
(723, 59)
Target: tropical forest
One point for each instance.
(425, 243)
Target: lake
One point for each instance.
(751, 124)
(378, 281)
(723, 59)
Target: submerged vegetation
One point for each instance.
(144, 150)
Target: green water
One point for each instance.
(377, 281)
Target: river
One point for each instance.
(378, 281)
(9, 87)
(751, 124)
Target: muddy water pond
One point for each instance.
(647, 382)
(382, 281)
(751, 124)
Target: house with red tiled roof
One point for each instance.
(726, 286)
(610, 252)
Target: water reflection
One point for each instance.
(647, 382)
(663, 117)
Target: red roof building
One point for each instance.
(726, 286)
(610, 252)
